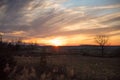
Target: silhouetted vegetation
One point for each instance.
(18, 61)
(7, 52)
(102, 41)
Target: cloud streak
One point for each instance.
(46, 18)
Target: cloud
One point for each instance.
(85, 8)
(45, 18)
(16, 33)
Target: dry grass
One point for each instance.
(88, 68)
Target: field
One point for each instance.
(87, 68)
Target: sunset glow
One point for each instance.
(44, 21)
(57, 42)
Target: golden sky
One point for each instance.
(60, 22)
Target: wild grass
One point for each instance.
(87, 68)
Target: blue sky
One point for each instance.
(94, 3)
(73, 3)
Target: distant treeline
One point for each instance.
(9, 47)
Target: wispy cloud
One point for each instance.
(45, 18)
(86, 8)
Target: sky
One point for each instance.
(68, 22)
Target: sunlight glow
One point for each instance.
(57, 42)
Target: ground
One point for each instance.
(87, 68)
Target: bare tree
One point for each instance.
(1, 35)
(102, 41)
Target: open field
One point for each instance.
(88, 68)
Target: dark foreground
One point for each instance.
(64, 67)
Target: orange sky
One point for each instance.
(71, 40)
(60, 22)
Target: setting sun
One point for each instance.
(56, 42)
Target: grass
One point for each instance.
(87, 68)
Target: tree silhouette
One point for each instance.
(102, 41)
(0, 37)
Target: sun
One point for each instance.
(56, 42)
